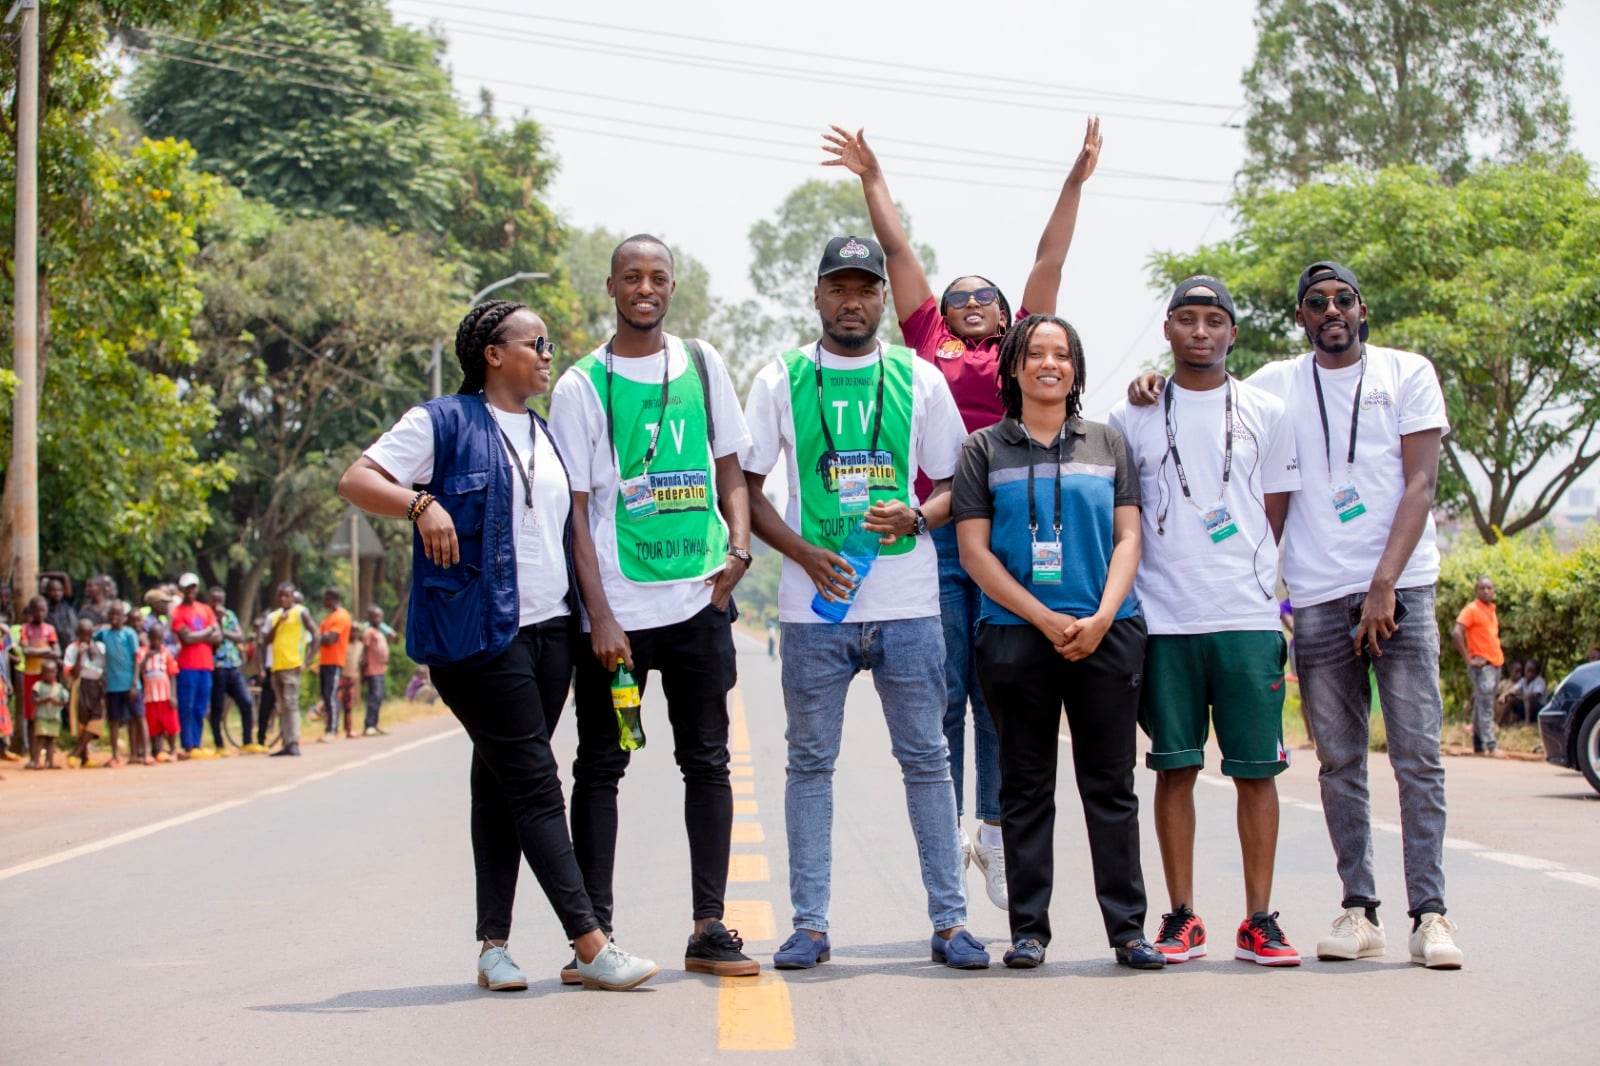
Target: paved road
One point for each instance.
(322, 912)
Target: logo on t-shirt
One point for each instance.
(951, 348)
(1376, 396)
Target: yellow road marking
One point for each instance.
(752, 917)
(748, 833)
(741, 756)
(744, 788)
(753, 1014)
(742, 771)
(748, 869)
(746, 807)
(738, 735)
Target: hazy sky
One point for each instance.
(619, 97)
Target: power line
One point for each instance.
(984, 160)
(1028, 84)
(923, 90)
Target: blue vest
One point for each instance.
(468, 612)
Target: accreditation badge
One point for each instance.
(1219, 523)
(855, 493)
(1347, 502)
(637, 496)
(1047, 562)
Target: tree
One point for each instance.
(785, 251)
(315, 333)
(122, 209)
(1376, 83)
(1496, 279)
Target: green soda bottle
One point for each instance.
(625, 701)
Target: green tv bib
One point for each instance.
(849, 403)
(683, 538)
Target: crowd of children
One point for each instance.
(74, 674)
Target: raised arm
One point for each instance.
(908, 283)
(1044, 280)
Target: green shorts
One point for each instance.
(1238, 678)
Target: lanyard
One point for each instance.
(1033, 514)
(1355, 419)
(1227, 448)
(533, 455)
(655, 434)
(877, 415)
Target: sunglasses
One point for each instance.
(540, 345)
(1344, 301)
(982, 297)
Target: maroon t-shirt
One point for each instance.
(970, 368)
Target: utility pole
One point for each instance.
(24, 483)
(437, 370)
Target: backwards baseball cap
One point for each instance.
(1185, 296)
(1328, 270)
(189, 579)
(853, 253)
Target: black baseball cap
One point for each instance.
(1185, 296)
(853, 253)
(1328, 270)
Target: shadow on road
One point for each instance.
(389, 998)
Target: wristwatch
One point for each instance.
(920, 528)
(743, 556)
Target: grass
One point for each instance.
(1522, 739)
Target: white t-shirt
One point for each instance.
(406, 453)
(578, 420)
(899, 586)
(1323, 557)
(1188, 583)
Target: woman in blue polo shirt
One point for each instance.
(1047, 507)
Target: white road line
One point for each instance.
(206, 812)
(1573, 877)
(1521, 862)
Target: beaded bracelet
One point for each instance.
(419, 503)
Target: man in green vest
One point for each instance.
(650, 428)
(855, 420)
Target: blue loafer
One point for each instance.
(1141, 955)
(961, 952)
(1025, 954)
(800, 952)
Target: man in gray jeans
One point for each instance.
(1477, 639)
(1368, 426)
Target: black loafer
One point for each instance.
(1025, 954)
(1141, 955)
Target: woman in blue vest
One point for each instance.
(493, 613)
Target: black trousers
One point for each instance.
(696, 661)
(1025, 683)
(509, 706)
(226, 682)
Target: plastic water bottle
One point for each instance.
(860, 549)
(625, 701)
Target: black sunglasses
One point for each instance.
(982, 297)
(540, 345)
(1316, 303)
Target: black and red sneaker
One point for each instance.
(1182, 936)
(1261, 941)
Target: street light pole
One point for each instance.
(24, 474)
(436, 366)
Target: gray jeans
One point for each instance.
(1336, 695)
(286, 693)
(1485, 680)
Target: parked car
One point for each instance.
(1569, 724)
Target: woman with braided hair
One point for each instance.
(960, 334)
(493, 613)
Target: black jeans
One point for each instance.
(1025, 683)
(374, 693)
(227, 681)
(328, 676)
(696, 661)
(509, 706)
(264, 710)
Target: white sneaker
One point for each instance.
(614, 970)
(991, 859)
(498, 973)
(964, 842)
(1433, 946)
(1353, 937)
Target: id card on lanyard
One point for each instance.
(1217, 520)
(1046, 554)
(638, 495)
(855, 487)
(530, 517)
(1346, 498)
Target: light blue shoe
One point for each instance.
(961, 952)
(498, 973)
(614, 970)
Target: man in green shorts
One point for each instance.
(1216, 461)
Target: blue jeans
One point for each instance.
(1336, 697)
(958, 610)
(819, 661)
(194, 703)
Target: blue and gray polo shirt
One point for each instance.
(1097, 475)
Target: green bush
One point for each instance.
(1548, 601)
